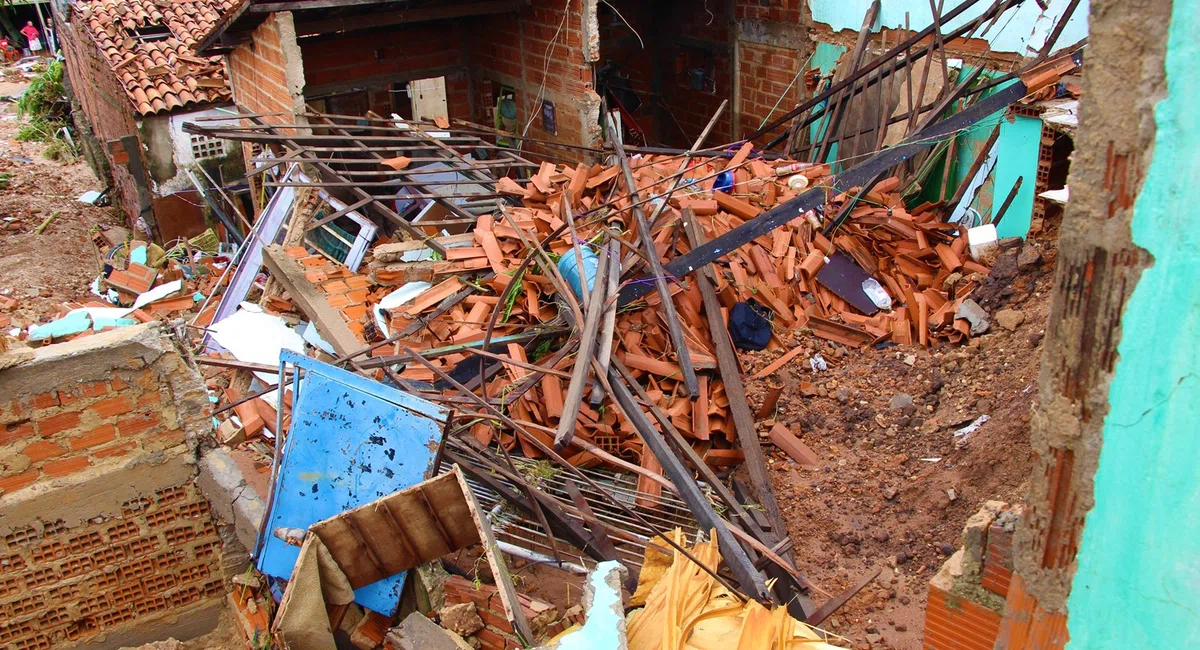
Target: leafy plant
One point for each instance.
(48, 112)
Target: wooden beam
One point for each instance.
(670, 315)
(310, 300)
(731, 377)
(373, 19)
(300, 5)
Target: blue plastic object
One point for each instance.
(724, 182)
(569, 267)
(352, 441)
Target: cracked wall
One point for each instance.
(105, 539)
(1094, 325)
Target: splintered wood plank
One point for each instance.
(504, 585)
(700, 428)
(400, 531)
(329, 322)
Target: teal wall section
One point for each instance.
(1138, 578)
(1018, 29)
(1017, 149)
(825, 58)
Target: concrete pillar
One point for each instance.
(1118, 366)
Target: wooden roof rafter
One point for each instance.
(349, 147)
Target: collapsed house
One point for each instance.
(428, 344)
(137, 80)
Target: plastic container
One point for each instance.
(877, 293)
(724, 182)
(568, 266)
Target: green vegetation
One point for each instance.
(48, 113)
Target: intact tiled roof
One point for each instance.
(159, 71)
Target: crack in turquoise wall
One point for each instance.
(1138, 578)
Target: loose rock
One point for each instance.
(1010, 319)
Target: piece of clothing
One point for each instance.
(750, 325)
(31, 32)
(35, 45)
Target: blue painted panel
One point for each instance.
(351, 441)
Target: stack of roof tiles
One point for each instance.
(159, 75)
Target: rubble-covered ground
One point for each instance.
(895, 484)
(41, 271)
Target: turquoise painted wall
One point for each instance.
(825, 58)
(1138, 578)
(1017, 149)
(1019, 28)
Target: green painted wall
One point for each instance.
(1138, 578)
(825, 58)
(1017, 149)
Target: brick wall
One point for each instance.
(374, 61)
(966, 598)
(790, 12)
(267, 73)
(103, 533)
(108, 111)
(677, 37)
(497, 633)
(515, 50)
(764, 72)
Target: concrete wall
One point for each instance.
(1138, 577)
(1117, 366)
(104, 538)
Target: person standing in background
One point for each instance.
(34, 36)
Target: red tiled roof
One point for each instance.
(164, 74)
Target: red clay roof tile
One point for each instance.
(112, 25)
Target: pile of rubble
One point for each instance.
(453, 350)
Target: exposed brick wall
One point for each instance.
(956, 623)
(102, 531)
(267, 73)
(966, 598)
(764, 72)
(63, 584)
(676, 38)
(78, 425)
(375, 60)
(514, 50)
(997, 560)
(791, 12)
(497, 633)
(107, 108)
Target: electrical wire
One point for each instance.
(635, 32)
(541, 93)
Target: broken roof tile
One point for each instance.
(152, 68)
